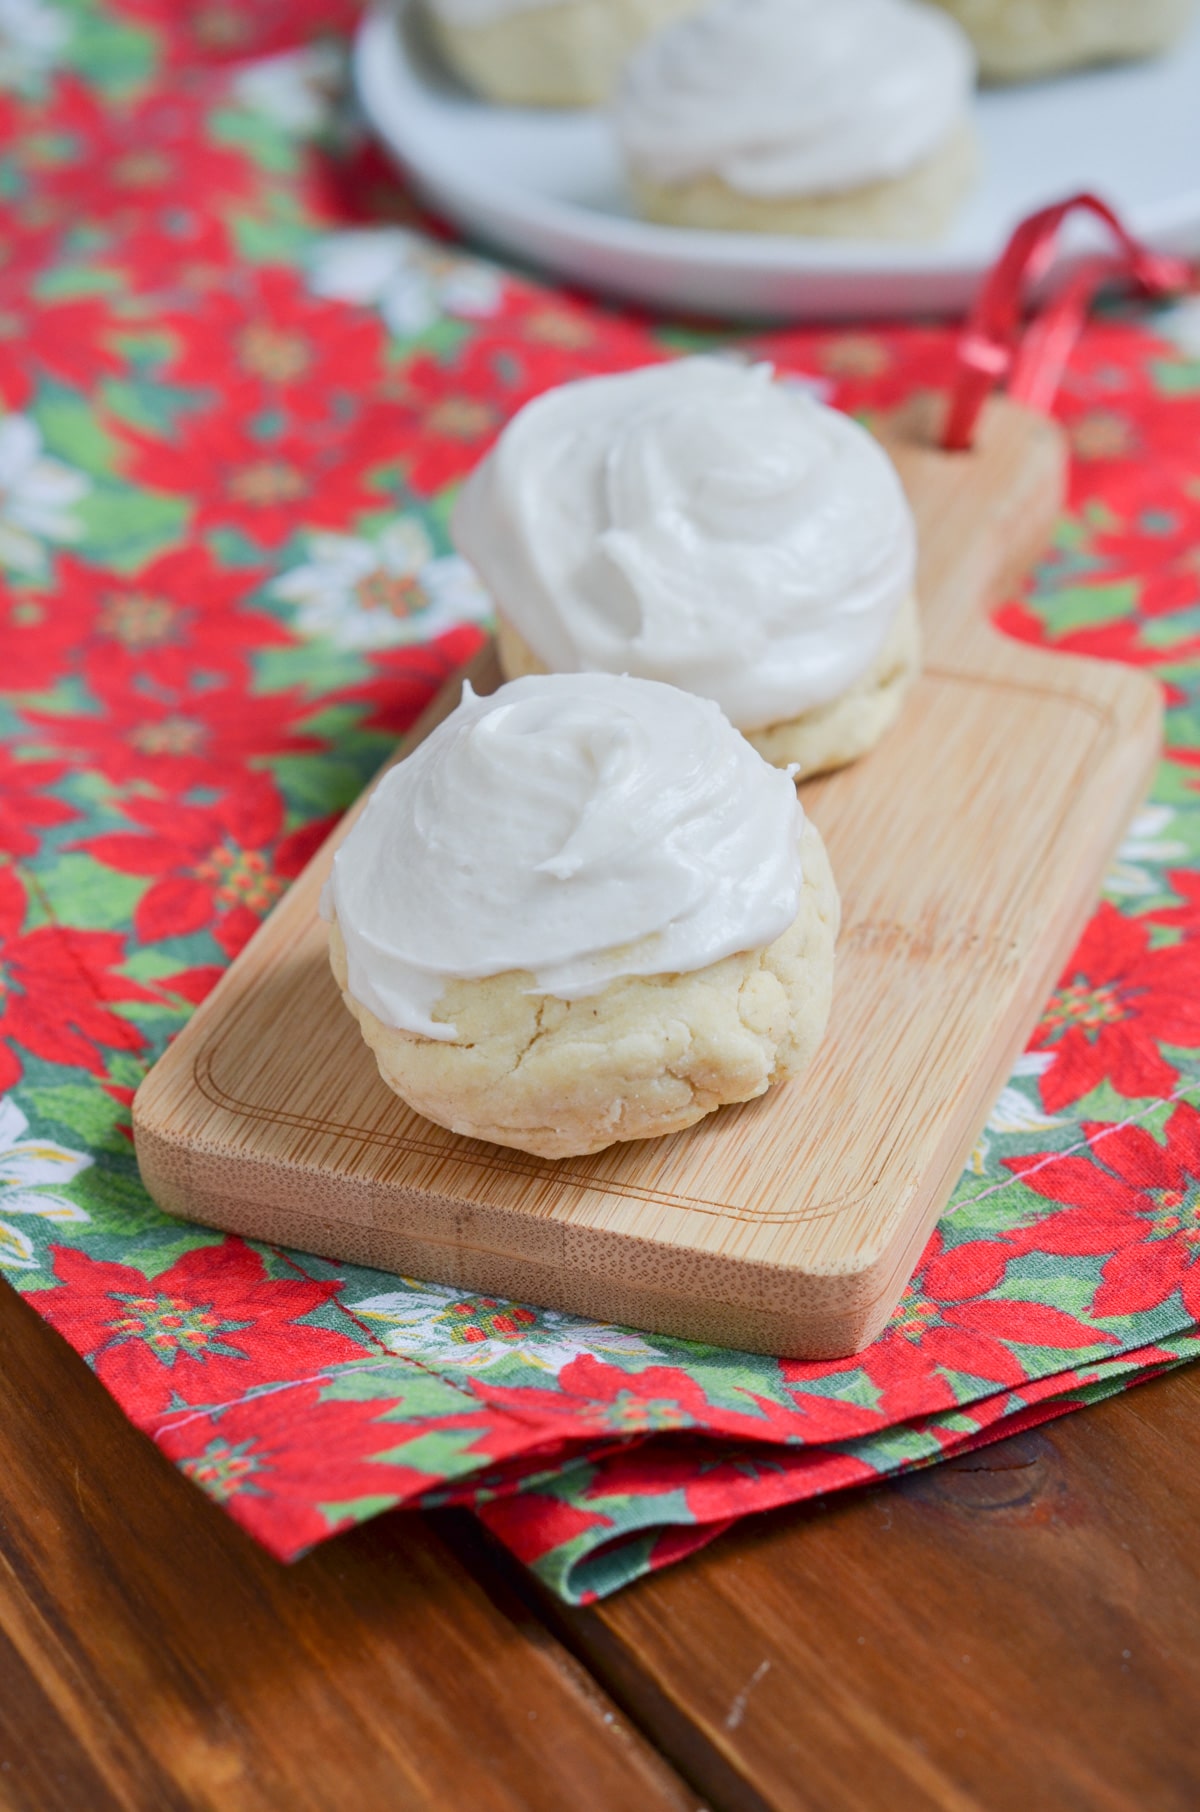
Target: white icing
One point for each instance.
(795, 97)
(697, 523)
(581, 827)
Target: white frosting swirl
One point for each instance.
(581, 827)
(696, 523)
(795, 97)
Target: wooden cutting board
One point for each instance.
(969, 848)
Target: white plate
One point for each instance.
(547, 186)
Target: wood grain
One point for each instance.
(1015, 1629)
(968, 849)
(153, 1659)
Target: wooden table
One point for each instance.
(1015, 1629)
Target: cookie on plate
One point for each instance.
(707, 524)
(544, 53)
(801, 117)
(1019, 39)
(584, 910)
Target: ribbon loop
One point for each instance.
(988, 349)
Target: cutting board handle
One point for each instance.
(987, 514)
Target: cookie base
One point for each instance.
(1016, 40)
(829, 736)
(565, 55)
(647, 1056)
(918, 205)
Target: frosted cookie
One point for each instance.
(1019, 39)
(582, 911)
(544, 53)
(801, 117)
(704, 524)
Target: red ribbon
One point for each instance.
(988, 350)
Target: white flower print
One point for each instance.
(26, 1166)
(446, 1327)
(297, 90)
(1143, 843)
(1014, 1111)
(32, 38)
(36, 494)
(410, 279)
(382, 592)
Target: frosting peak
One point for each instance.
(795, 97)
(696, 523)
(581, 827)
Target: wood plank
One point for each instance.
(1017, 1628)
(154, 1659)
(968, 849)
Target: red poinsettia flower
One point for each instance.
(221, 865)
(263, 332)
(599, 1397)
(193, 984)
(216, 31)
(531, 1524)
(35, 656)
(1187, 758)
(55, 986)
(1118, 1000)
(447, 415)
(605, 1398)
(175, 623)
(1149, 538)
(150, 172)
(16, 373)
(178, 737)
(1169, 434)
(725, 1484)
(310, 475)
(25, 804)
(405, 679)
(67, 340)
(357, 185)
(276, 1463)
(869, 370)
(1139, 1201)
(205, 1331)
(1187, 915)
(1122, 640)
(947, 1321)
(720, 1478)
(32, 236)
